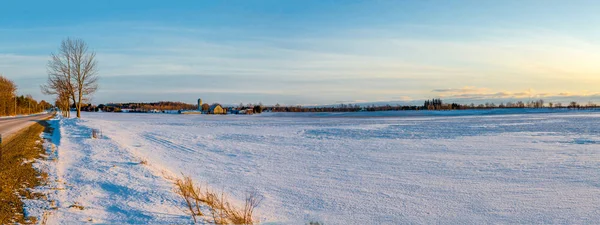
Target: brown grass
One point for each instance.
(76, 205)
(44, 218)
(221, 210)
(17, 175)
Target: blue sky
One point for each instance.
(314, 52)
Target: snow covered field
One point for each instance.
(520, 168)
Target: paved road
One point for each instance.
(9, 126)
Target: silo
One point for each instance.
(199, 104)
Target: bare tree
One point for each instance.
(62, 102)
(573, 104)
(85, 72)
(72, 72)
(59, 80)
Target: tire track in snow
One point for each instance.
(168, 144)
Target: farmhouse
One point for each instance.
(216, 109)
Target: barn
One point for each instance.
(216, 109)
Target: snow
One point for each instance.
(105, 179)
(499, 167)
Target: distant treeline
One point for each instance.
(433, 104)
(142, 107)
(11, 104)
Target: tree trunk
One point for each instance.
(67, 108)
(78, 106)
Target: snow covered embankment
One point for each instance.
(99, 181)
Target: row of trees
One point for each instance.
(144, 107)
(161, 106)
(72, 75)
(433, 104)
(520, 104)
(11, 104)
(340, 108)
(8, 91)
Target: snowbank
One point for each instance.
(99, 181)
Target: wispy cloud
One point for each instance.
(461, 90)
(349, 64)
(475, 94)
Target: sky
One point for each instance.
(314, 52)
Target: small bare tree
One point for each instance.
(59, 84)
(72, 72)
(62, 102)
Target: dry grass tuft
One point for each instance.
(191, 196)
(220, 208)
(77, 206)
(144, 162)
(44, 218)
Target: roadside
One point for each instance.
(18, 176)
(10, 126)
(65, 173)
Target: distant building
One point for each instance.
(199, 104)
(190, 112)
(246, 111)
(232, 110)
(172, 111)
(216, 109)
